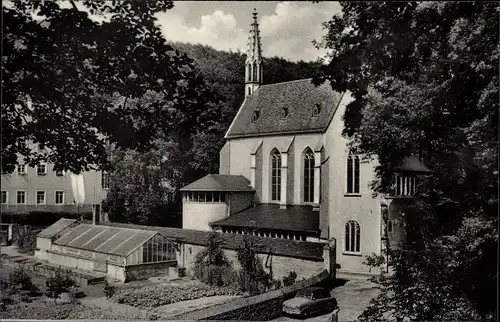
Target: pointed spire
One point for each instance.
(253, 64)
(254, 51)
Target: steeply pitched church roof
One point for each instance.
(220, 182)
(298, 97)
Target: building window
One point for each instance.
(21, 169)
(389, 226)
(353, 174)
(275, 175)
(316, 109)
(41, 170)
(352, 236)
(157, 249)
(249, 75)
(104, 180)
(255, 116)
(40, 197)
(284, 112)
(59, 198)
(21, 198)
(59, 173)
(4, 197)
(205, 196)
(254, 73)
(406, 185)
(308, 176)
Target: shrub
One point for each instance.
(58, 283)
(26, 240)
(5, 300)
(19, 280)
(38, 310)
(252, 276)
(211, 265)
(154, 296)
(109, 290)
(290, 279)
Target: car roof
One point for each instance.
(313, 288)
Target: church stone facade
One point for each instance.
(286, 171)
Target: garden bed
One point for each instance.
(154, 296)
(39, 310)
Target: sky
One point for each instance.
(287, 28)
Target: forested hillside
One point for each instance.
(224, 73)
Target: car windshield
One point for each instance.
(304, 294)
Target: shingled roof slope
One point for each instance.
(413, 164)
(283, 247)
(220, 182)
(270, 216)
(299, 97)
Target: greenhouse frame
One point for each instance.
(120, 253)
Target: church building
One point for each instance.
(286, 172)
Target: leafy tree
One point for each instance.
(211, 265)
(58, 283)
(62, 73)
(19, 280)
(253, 277)
(424, 78)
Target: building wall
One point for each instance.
(241, 149)
(31, 183)
(342, 207)
(224, 157)
(42, 246)
(281, 265)
(116, 272)
(197, 215)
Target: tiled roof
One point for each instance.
(220, 182)
(270, 216)
(413, 164)
(282, 247)
(299, 97)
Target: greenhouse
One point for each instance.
(120, 253)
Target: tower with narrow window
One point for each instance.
(253, 64)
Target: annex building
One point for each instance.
(286, 173)
(119, 253)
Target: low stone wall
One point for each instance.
(263, 307)
(281, 265)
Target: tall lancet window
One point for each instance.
(308, 176)
(353, 174)
(275, 175)
(254, 73)
(249, 72)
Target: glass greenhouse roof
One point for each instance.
(56, 227)
(103, 239)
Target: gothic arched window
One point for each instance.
(275, 175)
(249, 72)
(308, 175)
(352, 236)
(254, 73)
